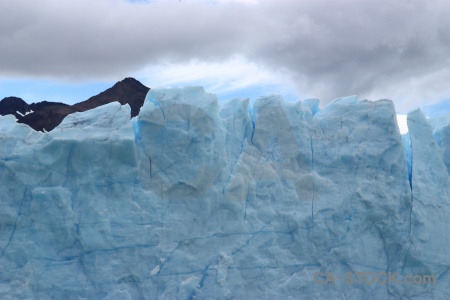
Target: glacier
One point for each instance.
(200, 199)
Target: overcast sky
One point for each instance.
(298, 48)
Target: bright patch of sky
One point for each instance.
(234, 78)
(402, 123)
(223, 1)
(199, 1)
(438, 109)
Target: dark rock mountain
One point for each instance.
(12, 105)
(39, 116)
(43, 104)
(47, 115)
(126, 91)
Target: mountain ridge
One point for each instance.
(47, 115)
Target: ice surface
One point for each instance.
(429, 225)
(441, 134)
(199, 199)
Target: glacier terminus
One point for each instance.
(200, 199)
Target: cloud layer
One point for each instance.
(376, 49)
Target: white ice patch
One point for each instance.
(155, 270)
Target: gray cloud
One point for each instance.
(395, 49)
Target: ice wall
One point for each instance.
(199, 199)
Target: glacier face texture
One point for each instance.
(195, 199)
